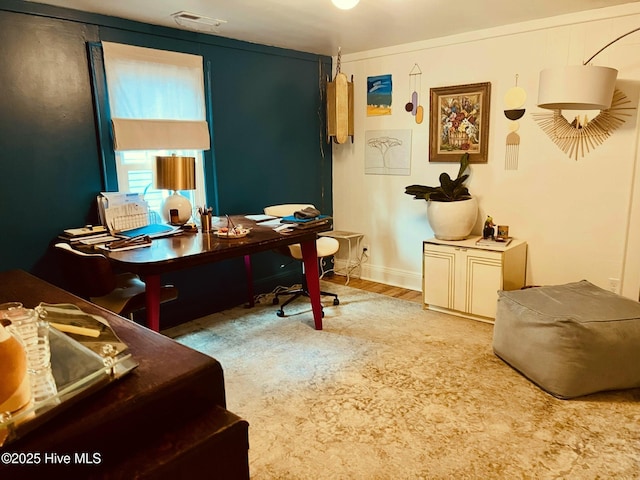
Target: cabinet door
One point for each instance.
(439, 276)
(483, 280)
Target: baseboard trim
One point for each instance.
(388, 276)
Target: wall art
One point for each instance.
(413, 106)
(514, 101)
(379, 93)
(583, 135)
(459, 122)
(387, 152)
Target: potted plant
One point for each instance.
(451, 210)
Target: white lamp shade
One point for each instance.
(579, 87)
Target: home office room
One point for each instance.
(460, 368)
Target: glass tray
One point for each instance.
(80, 365)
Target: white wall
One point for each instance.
(576, 216)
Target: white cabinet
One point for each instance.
(463, 278)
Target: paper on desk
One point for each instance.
(126, 247)
(122, 211)
(272, 223)
(260, 218)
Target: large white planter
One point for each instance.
(452, 220)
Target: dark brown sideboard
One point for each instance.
(167, 418)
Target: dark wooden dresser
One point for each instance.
(166, 419)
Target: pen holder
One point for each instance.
(205, 222)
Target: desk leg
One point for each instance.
(310, 259)
(249, 274)
(152, 300)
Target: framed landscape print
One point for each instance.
(459, 122)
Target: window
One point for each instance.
(156, 101)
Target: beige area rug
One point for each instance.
(390, 391)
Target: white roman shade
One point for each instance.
(139, 80)
(132, 134)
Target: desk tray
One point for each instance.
(80, 366)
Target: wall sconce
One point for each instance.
(176, 173)
(581, 87)
(340, 107)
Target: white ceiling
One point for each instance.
(316, 26)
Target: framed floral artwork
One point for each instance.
(459, 122)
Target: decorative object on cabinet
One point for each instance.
(379, 95)
(581, 87)
(582, 135)
(387, 152)
(340, 106)
(502, 232)
(489, 231)
(451, 210)
(459, 122)
(463, 278)
(514, 100)
(413, 106)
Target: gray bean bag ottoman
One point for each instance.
(570, 340)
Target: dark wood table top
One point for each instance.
(189, 249)
(171, 384)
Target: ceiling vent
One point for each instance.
(197, 22)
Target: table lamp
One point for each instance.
(176, 173)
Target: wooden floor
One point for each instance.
(381, 288)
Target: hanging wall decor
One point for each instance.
(514, 100)
(340, 107)
(379, 94)
(413, 106)
(582, 135)
(459, 123)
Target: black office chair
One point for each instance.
(91, 276)
(325, 247)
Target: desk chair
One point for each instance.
(91, 276)
(325, 247)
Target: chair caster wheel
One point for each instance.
(336, 301)
(275, 301)
(280, 313)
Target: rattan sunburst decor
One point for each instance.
(578, 138)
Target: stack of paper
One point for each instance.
(127, 214)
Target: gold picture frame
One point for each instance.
(459, 122)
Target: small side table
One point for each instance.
(353, 239)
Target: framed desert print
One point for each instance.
(459, 122)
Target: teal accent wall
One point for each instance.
(267, 123)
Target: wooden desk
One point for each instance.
(190, 249)
(165, 419)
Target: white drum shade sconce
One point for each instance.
(581, 87)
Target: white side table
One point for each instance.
(353, 239)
